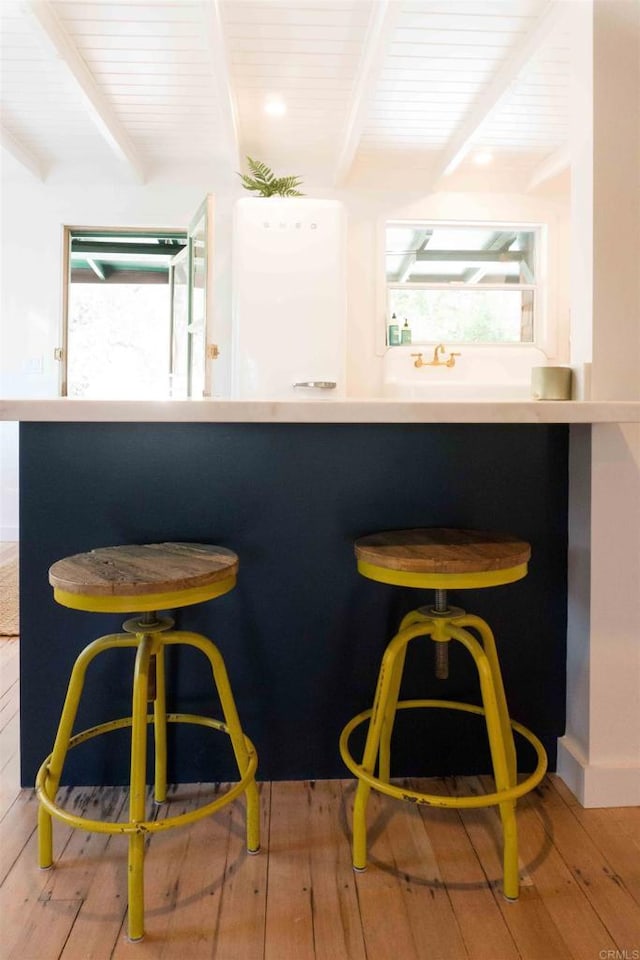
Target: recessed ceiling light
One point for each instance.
(483, 158)
(275, 107)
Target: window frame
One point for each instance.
(541, 335)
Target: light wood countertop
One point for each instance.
(322, 411)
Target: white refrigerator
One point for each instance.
(289, 299)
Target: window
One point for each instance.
(462, 283)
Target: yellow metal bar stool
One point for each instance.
(442, 559)
(144, 579)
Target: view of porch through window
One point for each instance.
(126, 315)
(463, 282)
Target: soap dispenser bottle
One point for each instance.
(406, 332)
(394, 332)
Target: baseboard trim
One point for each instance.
(9, 534)
(597, 785)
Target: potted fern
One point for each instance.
(262, 181)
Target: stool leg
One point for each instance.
(384, 755)
(58, 756)
(232, 720)
(507, 810)
(160, 727)
(499, 758)
(389, 680)
(63, 735)
(138, 781)
(511, 873)
(384, 751)
(489, 644)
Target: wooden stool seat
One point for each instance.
(153, 576)
(442, 558)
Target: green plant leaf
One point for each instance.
(260, 171)
(251, 184)
(264, 182)
(286, 186)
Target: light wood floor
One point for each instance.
(8, 551)
(432, 891)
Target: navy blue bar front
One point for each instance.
(302, 634)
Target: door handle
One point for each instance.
(319, 384)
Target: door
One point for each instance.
(179, 336)
(201, 351)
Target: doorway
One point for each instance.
(119, 316)
(137, 312)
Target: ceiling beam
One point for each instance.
(421, 239)
(216, 41)
(380, 29)
(97, 249)
(471, 256)
(98, 108)
(22, 154)
(554, 164)
(499, 241)
(98, 268)
(119, 277)
(499, 88)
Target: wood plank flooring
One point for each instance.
(432, 890)
(8, 551)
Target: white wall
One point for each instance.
(8, 482)
(599, 756)
(33, 215)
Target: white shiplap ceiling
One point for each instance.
(147, 85)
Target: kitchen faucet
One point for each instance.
(436, 362)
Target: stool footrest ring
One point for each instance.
(145, 826)
(413, 796)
